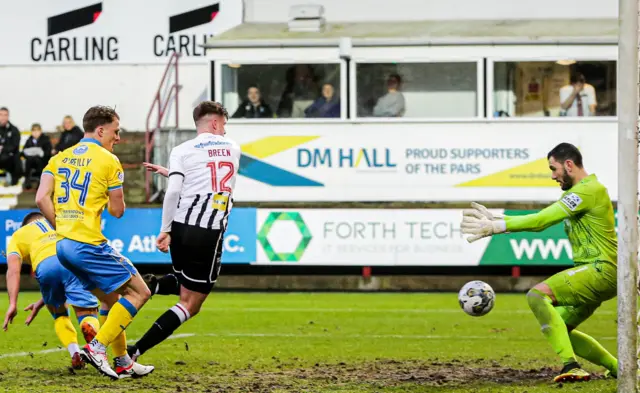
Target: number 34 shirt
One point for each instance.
(83, 176)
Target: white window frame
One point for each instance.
(299, 59)
(480, 104)
(545, 53)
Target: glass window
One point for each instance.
(251, 91)
(417, 90)
(561, 88)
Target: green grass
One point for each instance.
(316, 342)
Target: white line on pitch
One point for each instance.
(294, 335)
(358, 310)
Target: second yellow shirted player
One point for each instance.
(35, 244)
(75, 188)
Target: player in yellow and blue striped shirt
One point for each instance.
(75, 188)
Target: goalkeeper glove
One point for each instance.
(480, 222)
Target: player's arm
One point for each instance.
(171, 197)
(115, 180)
(116, 205)
(159, 169)
(44, 195)
(14, 262)
(537, 222)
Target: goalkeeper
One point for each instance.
(565, 300)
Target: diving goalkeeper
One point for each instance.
(565, 300)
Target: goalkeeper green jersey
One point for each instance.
(588, 221)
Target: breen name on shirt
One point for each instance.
(77, 161)
(219, 153)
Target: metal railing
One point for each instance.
(160, 105)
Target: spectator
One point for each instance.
(254, 107)
(37, 152)
(578, 98)
(326, 106)
(71, 134)
(300, 92)
(391, 104)
(9, 147)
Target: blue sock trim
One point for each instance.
(127, 304)
(80, 318)
(104, 312)
(60, 314)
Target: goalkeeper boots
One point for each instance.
(572, 373)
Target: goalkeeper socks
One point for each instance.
(119, 318)
(65, 330)
(162, 328)
(588, 348)
(552, 324)
(167, 285)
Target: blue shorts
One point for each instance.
(59, 286)
(99, 266)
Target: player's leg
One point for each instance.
(196, 255)
(88, 321)
(541, 302)
(48, 274)
(584, 287)
(168, 284)
(189, 305)
(66, 334)
(84, 303)
(125, 367)
(584, 345)
(592, 286)
(106, 273)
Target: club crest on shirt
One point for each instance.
(572, 201)
(80, 150)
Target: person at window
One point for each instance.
(326, 106)
(391, 104)
(36, 152)
(578, 98)
(71, 134)
(300, 92)
(9, 147)
(254, 107)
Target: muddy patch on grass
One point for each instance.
(367, 377)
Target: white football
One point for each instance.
(476, 298)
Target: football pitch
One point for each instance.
(317, 342)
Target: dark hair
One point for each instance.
(577, 77)
(31, 217)
(566, 151)
(253, 86)
(36, 125)
(397, 78)
(98, 116)
(4, 108)
(209, 108)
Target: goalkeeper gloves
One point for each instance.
(480, 222)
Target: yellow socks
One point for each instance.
(66, 333)
(120, 316)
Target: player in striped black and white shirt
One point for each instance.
(202, 175)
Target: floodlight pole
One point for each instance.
(627, 102)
